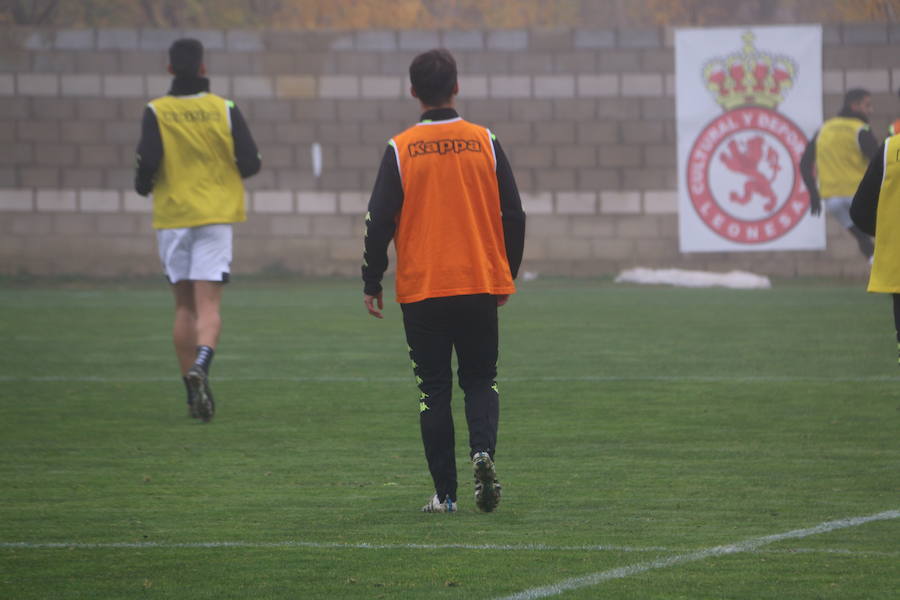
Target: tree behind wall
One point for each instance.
(142, 13)
(436, 14)
(28, 12)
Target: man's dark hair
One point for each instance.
(433, 76)
(186, 56)
(855, 95)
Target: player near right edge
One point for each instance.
(876, 211)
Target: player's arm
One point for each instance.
(868, 143)
(246, 154)
(149, 153)
(384, 205)
(864, 207)
(512, 215)
(807, 171)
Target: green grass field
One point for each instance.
(642, 429)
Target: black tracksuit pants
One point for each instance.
(434, 327)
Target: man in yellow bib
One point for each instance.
(876, 210)
(840, 151)
(194, 150)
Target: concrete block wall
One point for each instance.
(586, 117)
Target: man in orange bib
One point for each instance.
(446, 195)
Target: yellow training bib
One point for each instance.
(885, 275)
(198, 182)
(839, 160)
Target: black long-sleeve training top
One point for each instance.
(864, 208)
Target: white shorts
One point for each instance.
(839, 208)
(196, 253)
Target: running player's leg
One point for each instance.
(175, 256)
(863, 240)
(430, 348)
(210, 267)
(184, 331)
(184, 335)
(839, 208)
(208, 299)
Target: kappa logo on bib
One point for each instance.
(743, 169)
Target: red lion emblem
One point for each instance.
(747, 163)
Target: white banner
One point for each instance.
(748, 99)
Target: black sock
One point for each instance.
(204, 358)
(187, 388)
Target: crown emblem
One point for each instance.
(749, 77)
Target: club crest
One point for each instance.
(743, 174)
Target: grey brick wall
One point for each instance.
(586, 117)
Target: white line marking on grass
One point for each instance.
(583, 378)
(736, 548)
(840, 551)
(338, 545)
(371, 546)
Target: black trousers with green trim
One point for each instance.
(434, 328)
